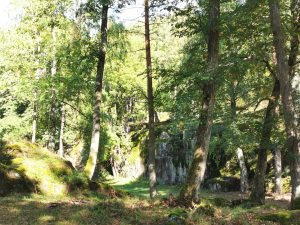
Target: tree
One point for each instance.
(92, 160)
(258, 190)
(150, 98)
(287, 101)
(190, 190)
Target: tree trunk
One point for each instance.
(287, 101)
(92, 160)
(278, 170)
(258, 190)
(61, 133)
(294, 43)
(51, 144)
(34, 116)
(190, 190)
(151, 146)
(243, 168)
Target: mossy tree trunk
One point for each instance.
(92, 160)
(190, 190)
(151, 111)
(287, 101)
(258, 190)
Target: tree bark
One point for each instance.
(190, 190)
(278, 170)
(51, 144)
(34, 116)
(92, 160)
(151, 112)
(61, 133)
(244, 173)
(258, 190)
(287, 101)
(294, 42)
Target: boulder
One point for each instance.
(223, 184)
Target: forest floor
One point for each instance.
(137, 209)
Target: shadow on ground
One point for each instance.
(78, 212)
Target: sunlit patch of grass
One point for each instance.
(46, 218)
(140, 187)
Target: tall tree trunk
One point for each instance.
(151, 146)
(190, 190)
(295, 33)
(278, 170)
(34, 116)
(51, 144)
(61, 133)
(92, 160)
(239, 151)
(287, 101)
(243, 169)
(258, 190)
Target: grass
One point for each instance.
(105, 207)
(92, 208)
(140, 187)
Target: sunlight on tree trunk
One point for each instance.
(190, 190)
(278, 170)
(243, 170)
(34, 116)
(51, 145)
(151, 111)
(92, 160)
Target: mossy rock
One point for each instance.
(37, 167)
(26, 167)
(13, 181)
(224, 184)
(283, 217)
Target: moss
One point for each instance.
(13, 181)
(42, 169)
(283, 217)
(77, 181)
(135, 153)
(206, 209)
(220, 202)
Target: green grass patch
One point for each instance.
(140, 187)
(284, 217)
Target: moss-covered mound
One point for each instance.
(13, 181)
(26, 167)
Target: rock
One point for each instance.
(12, 181)
(224, 184)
